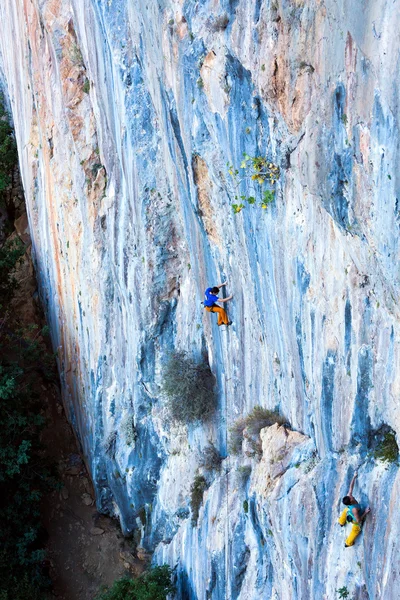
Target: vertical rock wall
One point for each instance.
(126, 116)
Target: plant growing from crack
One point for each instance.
(258, 170)
(197, 490)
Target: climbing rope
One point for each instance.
(227, 561)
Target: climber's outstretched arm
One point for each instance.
(350, 492)
(225, 299)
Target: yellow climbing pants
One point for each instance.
(355, 528)
(222, 316)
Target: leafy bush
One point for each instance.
(10, 253)
(189, 387)
(17, 587)
(210, 458)
(258, 170)
(154, 584)
(197, 490)
(386, 448)
(8, 148)
(25, 474)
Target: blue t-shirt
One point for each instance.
(209, 298)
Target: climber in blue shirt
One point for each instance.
(352, 514)
(210, 299)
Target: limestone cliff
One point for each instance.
(126, 115)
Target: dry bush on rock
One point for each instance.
(189, 387)
(210, 458)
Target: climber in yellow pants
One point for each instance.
(352, 514)
(210, 298)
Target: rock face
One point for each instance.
(126, 116)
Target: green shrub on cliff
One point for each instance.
(189, 387)
(197, 490)
(387, 449)
(10, 253)
(154, 584)
(8, 148)
(254, 170)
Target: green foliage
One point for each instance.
(17, 587)
(197, 490)
(387, 449)
(189, 387)
(154, 584)
(267, 198)
(344, 119)
(237, 208)
(255, 169)
(75, 55)
(86, 86)
(8, 148)
(25, 475)
(10, 253)
(246, 506)
(343, 592)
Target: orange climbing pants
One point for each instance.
(355, 528)
(222, 316)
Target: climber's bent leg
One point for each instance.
(221, 312)
(354, 533)
(222, 316)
